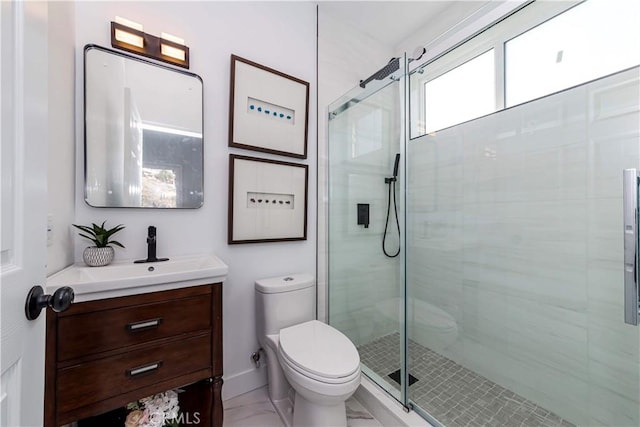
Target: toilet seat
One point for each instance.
(320, 352)
(319, 378)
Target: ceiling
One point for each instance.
(391, 22)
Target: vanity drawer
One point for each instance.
(90, 333)
(101, 379)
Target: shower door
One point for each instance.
(515, 266)
(365, 208)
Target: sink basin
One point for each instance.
(126, 278)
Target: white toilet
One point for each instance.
(312, 368)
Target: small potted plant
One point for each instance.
(102, 252)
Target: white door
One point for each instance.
(23, 127)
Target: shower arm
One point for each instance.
(392, 66)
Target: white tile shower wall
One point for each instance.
(345, 56)
(280, 35)
(516, 231)
(363, 141)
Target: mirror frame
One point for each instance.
(91, 46)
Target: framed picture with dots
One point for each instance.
(267, 200)
(268, 111)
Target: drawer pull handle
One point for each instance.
(144, 325)
(144, 369)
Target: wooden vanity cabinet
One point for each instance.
(106, 353)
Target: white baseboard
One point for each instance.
(243, 382)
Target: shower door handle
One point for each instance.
(630, 206)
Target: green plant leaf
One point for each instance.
(84, 228)
(87, 237)
(97, 229)
(101, 240)
(99, 235)
(114, 230)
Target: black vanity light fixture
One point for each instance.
(128, 35)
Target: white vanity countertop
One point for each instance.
(124, 278)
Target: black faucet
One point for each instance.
(151, 247)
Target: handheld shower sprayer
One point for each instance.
(394, 178)
(395, 165)
(392, 189)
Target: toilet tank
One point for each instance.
(284, 301)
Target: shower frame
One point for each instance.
(353, 98)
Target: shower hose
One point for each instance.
(392, 189)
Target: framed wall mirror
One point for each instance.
(143, 133)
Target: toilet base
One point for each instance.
(308, 414)
(284, 409)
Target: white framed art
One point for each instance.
(268, 110)
(267, 200)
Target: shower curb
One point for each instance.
(384, 408)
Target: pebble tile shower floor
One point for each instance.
(454, 395)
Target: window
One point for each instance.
(589, 41)
(466, 92)
(545, 47)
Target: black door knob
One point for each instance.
(37, 300)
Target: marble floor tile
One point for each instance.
(358, 416)
(254, 409)
(251, 409)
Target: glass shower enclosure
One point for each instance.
(366, 293)
(506, 303)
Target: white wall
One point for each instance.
(60, 174)
(280, 35)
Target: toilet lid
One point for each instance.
(320, 349)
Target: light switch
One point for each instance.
(49, 230)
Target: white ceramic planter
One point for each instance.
(94, 256)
